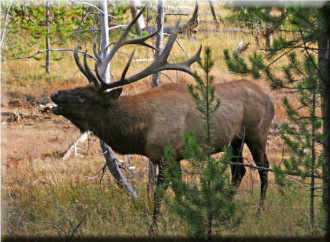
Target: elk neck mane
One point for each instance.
(123, 124)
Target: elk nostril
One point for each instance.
(54, 95)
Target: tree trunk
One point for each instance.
(140, 24)
(111, 162)
(109, 156)
(326, 141)
(324, 67)
(5, 21)
(213, 13)
(47, 39)
(105, 36)
(152, 173)
(311, 205)
(159, 40)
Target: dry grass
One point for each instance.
(37, 181)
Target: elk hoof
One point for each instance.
(153, 230)
(260, 210)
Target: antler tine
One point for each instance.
(127, 66)
(98, 74)
(159, 64)
(81, 68)
(90, 73)
(99, 61)
(98, 57)
(119, 43)
(168, 47)
(141, 41)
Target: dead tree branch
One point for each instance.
(74, 230)
(111, 163)
(4, 30)
(89, 4)
(180, 14)
(73, 146)
(213, 13)
(12, 229)
(271, 170)
(42, 51)
(240, 48)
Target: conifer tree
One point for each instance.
(45, 20)
(207, 202)
(303, 30)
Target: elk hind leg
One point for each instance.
(237, 171)
(260, 158)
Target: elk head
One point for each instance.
(76, 104)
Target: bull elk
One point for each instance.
(146, 123)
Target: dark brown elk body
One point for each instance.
(148, 122)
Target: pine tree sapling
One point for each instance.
(303, 75)
(54, 22)
(207, 203)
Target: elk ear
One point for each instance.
(114, 94)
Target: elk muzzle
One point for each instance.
(54, 95)
(57, 109)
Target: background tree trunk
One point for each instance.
(213, 13)
(159, 40)
(105, 36)
(324, 69)
(152, 171)
(109, 156)
(47, 39)
(140, 24)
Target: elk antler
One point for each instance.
(85, 69)
(104, 61)
(159, 64)
(124, 41)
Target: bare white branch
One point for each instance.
(3, 32)
(42, 51)
(240, 48)
(88, 4)
(143, 60)
(73, 146)
(117, 27)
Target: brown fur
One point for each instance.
(161, 116)
(148, 122)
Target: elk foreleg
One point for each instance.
(158, 198)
